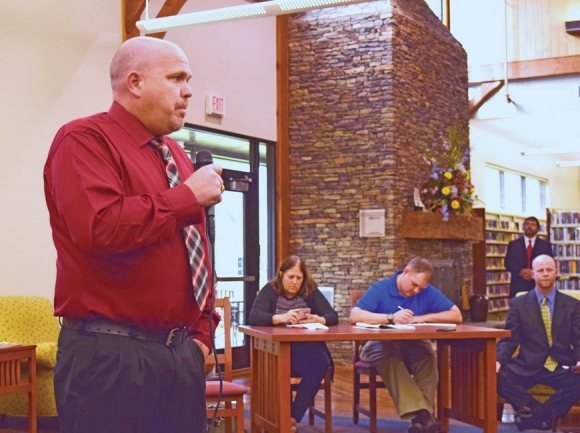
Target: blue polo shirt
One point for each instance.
(383, 297)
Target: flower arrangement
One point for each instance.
(448, 189)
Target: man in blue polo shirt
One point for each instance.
(408, 368)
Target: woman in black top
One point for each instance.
(293, 297)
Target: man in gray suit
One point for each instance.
(545, 325)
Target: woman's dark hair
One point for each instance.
(308, 284)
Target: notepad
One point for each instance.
(315, 325)
(382, 326)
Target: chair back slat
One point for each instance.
(225, 359)
(355, 295)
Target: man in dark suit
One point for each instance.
(520, 254)
(549, 357)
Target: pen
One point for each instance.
(401, 308)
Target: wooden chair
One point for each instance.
(373, 382)
(231, 392)
(312, 409)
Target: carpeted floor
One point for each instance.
(345, 425)
(339, 425)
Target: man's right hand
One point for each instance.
(497, 367)
(527, 274)
(206, 184)
(403, 316)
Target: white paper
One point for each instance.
(396, 326)
(314, 325)
(382, 326)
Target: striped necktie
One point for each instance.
(550, 363)
(193, 242)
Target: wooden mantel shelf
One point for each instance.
(430, 225)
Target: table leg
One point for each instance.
(33, 395)
(468, 384)
(490, 394)
(270, 385)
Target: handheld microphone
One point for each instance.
(203, 158)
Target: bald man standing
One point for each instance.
(123, 200)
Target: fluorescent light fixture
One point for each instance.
(236, 13)
(549, 151)
(574, 163)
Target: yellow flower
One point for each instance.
(445, 190)
(455, 204)
(448, 175)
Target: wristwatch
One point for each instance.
(390, 318)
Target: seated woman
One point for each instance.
(293, 297)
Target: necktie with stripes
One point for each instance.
(192, 237)
(529, 252)
(550, 363)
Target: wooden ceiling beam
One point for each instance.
(525, 69)
(133, 9)
(486, 91)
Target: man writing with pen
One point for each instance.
(408, 368)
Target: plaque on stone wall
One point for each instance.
(372, 223)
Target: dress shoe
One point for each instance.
(424, 422)
(524, 419)
(546, 421)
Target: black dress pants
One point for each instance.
(113, 384)
(513, 388)
(309, 360)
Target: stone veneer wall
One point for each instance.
(372, 87)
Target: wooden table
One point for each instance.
(10, 376)
(466, 362)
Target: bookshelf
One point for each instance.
(565, 240)
(501, 229)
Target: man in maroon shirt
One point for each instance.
(124, 283)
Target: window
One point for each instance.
(515, 193)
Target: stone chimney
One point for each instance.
(373, 86)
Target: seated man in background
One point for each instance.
(545, 325)
(408, 368)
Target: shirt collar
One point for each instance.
(530, 239)
(130, 124)
(551, 297)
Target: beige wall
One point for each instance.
(55, 71)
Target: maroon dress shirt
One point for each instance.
(117, 226)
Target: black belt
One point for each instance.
(171, 337)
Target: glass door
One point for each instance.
(244, 223)
(237, 254)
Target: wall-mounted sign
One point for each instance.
(372, 223)
(215, 105)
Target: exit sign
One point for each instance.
(215, 105)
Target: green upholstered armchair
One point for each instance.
(30, 320)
